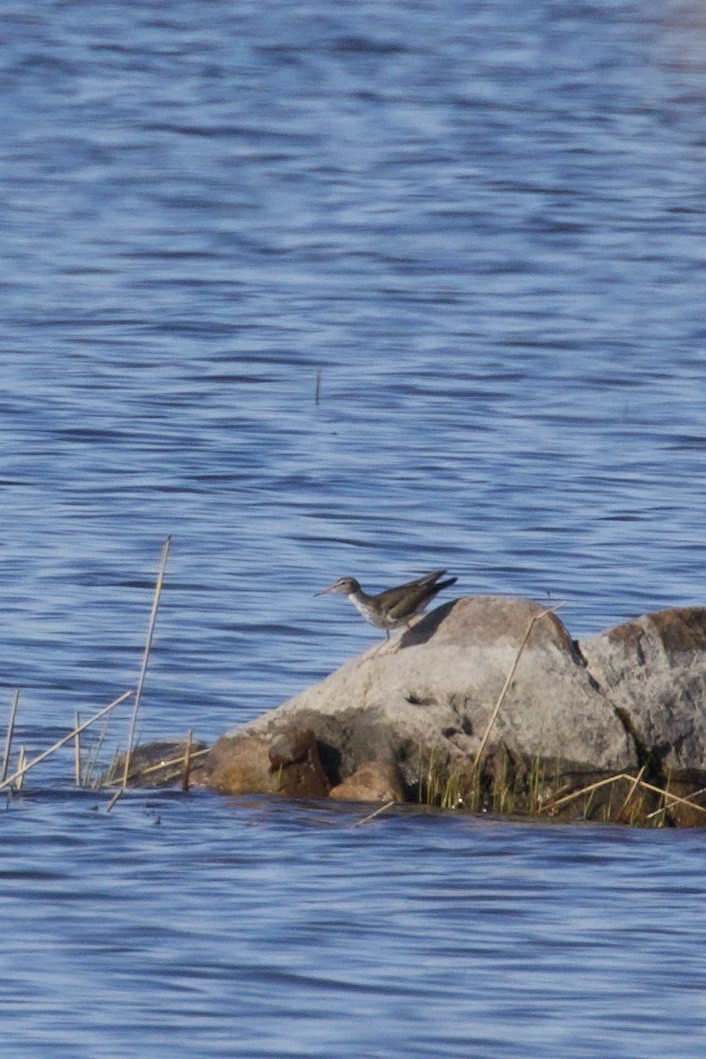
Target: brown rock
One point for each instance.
(291, 746)
(287, 764)
(239, 765)
(375, 781)
(302, 774)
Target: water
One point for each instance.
(230, 929)
(482, 228)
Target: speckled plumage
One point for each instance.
(395, 606)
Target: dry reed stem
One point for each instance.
(585, 790)
(634, 784)
(508, 681)
(162, 766)
(25, 767)
(145, 657)
(10, 733)
(77, 750)
(634, 780)
(187, 762)
(371, 816)
(21, 759)
(688, 800)
(674, 797)
(173, 761)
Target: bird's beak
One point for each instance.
(331, 588)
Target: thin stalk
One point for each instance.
(187, 763)
(163, 765)
(371, 816)
(93, 755)
(634, 784)
(25, 767)
(635, 781)
(145, 658)
(687, 800)
(10, 733)
(585, 790)
(506, 685)
(77, 750)
(675, 798)
(21, 769)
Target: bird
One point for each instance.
(395, 606)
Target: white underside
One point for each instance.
(381, 623)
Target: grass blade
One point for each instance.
(26, 766)
(145, 658)
(10, 733)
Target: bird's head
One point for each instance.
(344, 585)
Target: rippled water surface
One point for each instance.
(476, 234)
(219, 928)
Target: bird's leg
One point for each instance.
(398, 645)
(379, 647)
(408, 627)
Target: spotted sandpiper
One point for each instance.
(395, 606)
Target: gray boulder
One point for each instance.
(611, 728)
(653, 671)
(432, 693)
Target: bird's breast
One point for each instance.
(378, 616)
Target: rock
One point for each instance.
(157, 764)
(287, 764)
(654, 670)
(436, 693)
(375, 781)
(622, 711)
(239, 765)
(294, 759)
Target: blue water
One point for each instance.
(217, 928)
(481, 228)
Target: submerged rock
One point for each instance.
(161, 763)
